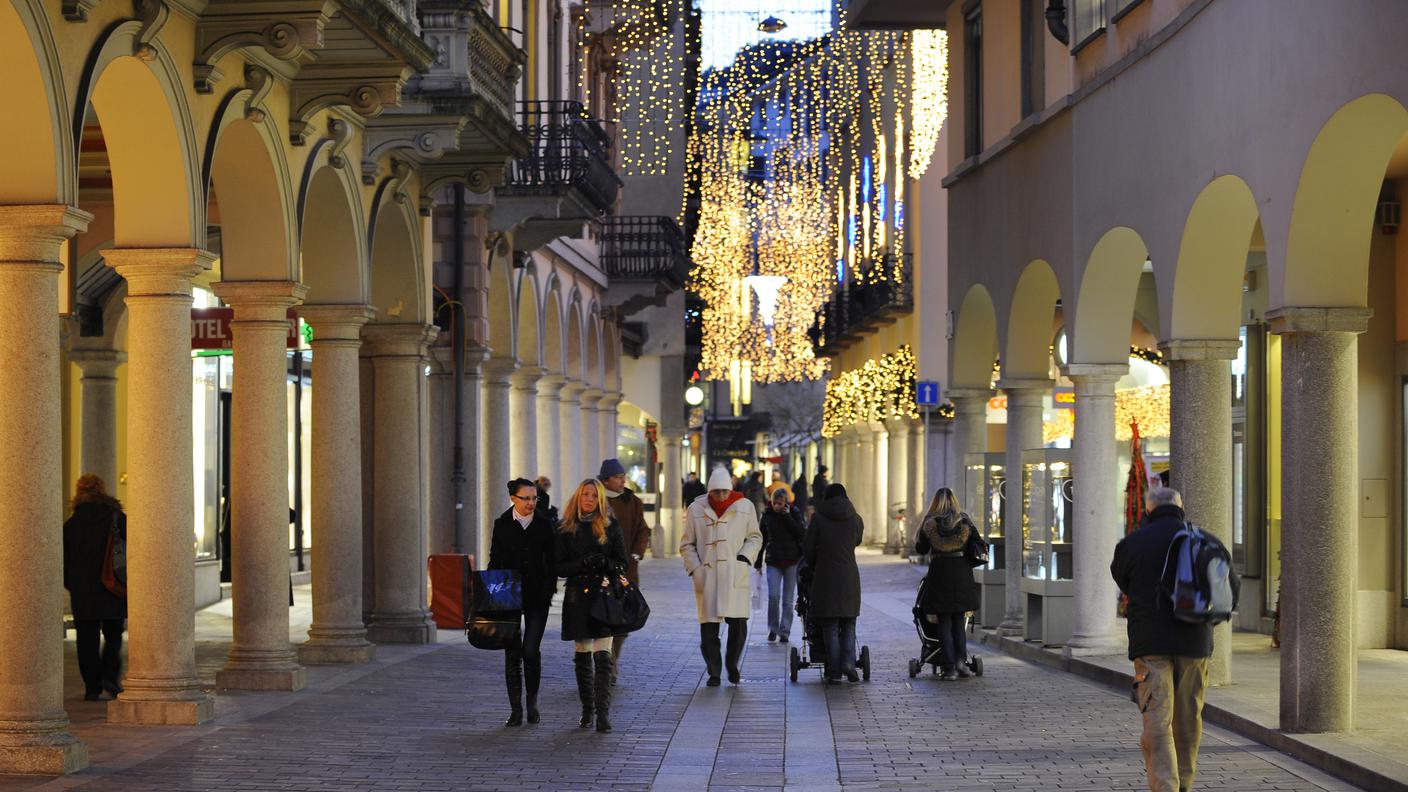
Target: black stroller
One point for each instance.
(931, 651)
(805, 656)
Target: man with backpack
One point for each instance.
(1179, 583)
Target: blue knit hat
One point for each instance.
(610, 467)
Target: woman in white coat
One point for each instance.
(720, 543)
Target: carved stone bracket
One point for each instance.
(225, 26)
(260, 82)
(366, 90)
(77, 10)
(400, 175)
(413, 136)
(153, 15)
(340, 132)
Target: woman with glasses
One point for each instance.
(523, 541)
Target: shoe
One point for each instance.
(782, 639)
(713, 681)
(513, 680)
(962, 671)
(532, 676)
(112, 688)
(93, 697)
(772, 636)
(949, 675)
(735, 676)
(604, 663)
(582, 663)
(852, 675)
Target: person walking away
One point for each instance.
(523, 540)
(754, 491)
(588, 551)
(95, 609)
(950, 590)
(719, 544)
(829, 547)
(819, 484)
(1170, 656)
(629, 512)
(543, 484)
(782, 531)
(799, 493)
(693, 488)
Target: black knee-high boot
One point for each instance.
(604, 664)
(737, 637)
(532, 676)
(582, 662)
(709, 647)
(513, 678)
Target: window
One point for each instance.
(1118, 8)
(1033, 56)
(1087, 20)
(973, 81)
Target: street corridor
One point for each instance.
(430, 719)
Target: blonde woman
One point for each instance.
(949, 588)
(589, 549)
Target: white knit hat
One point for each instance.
(720, 480)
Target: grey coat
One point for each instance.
(829, 548)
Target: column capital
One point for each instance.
(550, 385)
(1200, 348)
(1318, 320)
(572, 389)
(97, 363)
(158, 272)
(978, 394)
(527, 377)
(499, 370)
(609, 400)
(400, 339)
(897, 425)
(260, 301)
(591, 395)
(36, 232)
(1095, 377)
(1011, 385)
(337, 324)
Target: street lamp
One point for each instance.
(771, 25)
(694, 395)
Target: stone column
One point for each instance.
(668, 507)
(1096, 478)
(523, 423)
(606, 424)
(570, 426)
(970, 435)
(34, 735)
(337, 634)
(587, 426)
(1320, 501)
(399, 613)
(550, 439)
(261, 657)
(1200, 453)
(897, 483)
(919, 486)
(863, 494)
(474, 530)
(98, 446)
(498, 439)
(1023, 432)
(161, 684)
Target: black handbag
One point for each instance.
(619, 606)
(975, 550)
(496, 610)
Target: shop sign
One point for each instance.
(1064, 399)
(210, 328)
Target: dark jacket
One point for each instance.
(829, 548)
(85, 549)
(545, 509)
(530, 551)
(571, 553)
(782, 537)
(949, 587)
(799, 494)
(692, 490)
(1138, 568)
(819, 483)
(629, 512)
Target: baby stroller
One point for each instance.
(931, 651)
(806, 656)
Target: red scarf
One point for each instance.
(720, 507)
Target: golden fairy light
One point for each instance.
(928, 95)
(880, 389)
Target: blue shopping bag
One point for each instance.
(497, 590)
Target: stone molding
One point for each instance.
(77, 10)
(287, 36)
(402, 339)
(1015, 385)
(550, 385)
(499, 371)
(337, 325)
(1319, 320)
(158, 272)
(416, 137)
(97, 364)
(1200, 348)
(525, 378)
(365, 89)
(33, 234)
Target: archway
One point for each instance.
(40, 163)
(1031, 323)
(975, 340)
(332, 238)
(529, 321)
(1212, 262)
(396, 275)
(1100, 328)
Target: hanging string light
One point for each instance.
(881, 388)
(928, 96)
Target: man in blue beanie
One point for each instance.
(629, 512)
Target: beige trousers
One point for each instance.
(1169, 690)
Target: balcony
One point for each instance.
(896, 14)
(563, 181)
(881, 292)
(645, 258)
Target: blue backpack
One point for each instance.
(1197, 577)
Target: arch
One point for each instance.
(553, 357)
(974, 340)
(1099, 331)
(397, 288)
(249, 185)
(611, 355)
(41, 167)
(332, 246)
(1029, 323)
(150, 140)
(574, 357)
(1212, 262)
(502, 307)
(1327, 248)
(592, 371)
(529, 320)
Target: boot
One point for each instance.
(532, 675)
(513, 677)
(604, 664)
(616, 644)
(737, 637)
(709, 647)
(582, 662)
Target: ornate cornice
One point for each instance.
(412, 136)
(77, 10)
(367, 90)
(153, 15)
(289, 34)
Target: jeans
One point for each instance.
(840, 637)
(953, 638)
(535, 622)
(1169, 690)
(781, 581)
(97, 670)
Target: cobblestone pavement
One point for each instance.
(429, 718)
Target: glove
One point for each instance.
(593, 561)
(744, 559)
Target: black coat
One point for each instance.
(819, 483)
(530, 551)
(570, 554)
(692, 490)
(782, 536)
(949, 586)
(829, 548)
(799, 494)
(1138, 568)
(85, 549)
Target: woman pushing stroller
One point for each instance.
(950, 591)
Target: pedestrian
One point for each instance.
(800, 497)
(588, 551)
(782, 531)
(819, 483)
(778, 484)
(693, 488)
(950, 591)
(829, 548)
(755, 491)
(543, 484)
(629, 512)
(95, 609)
(523, 541)
(721, 541)
(1170, 655)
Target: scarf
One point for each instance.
(719, 507)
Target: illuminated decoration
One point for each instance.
(879, 389)
(772, 25)
(766, 288)
(928, 97)
(1147, 406)
(694, 395)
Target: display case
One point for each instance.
(1047, 547)
(985, 483)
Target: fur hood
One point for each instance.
(947, 533)
(87, 498)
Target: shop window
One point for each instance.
(1087, 21)
(1033, 56)
(973, 81)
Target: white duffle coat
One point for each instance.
(710, 548)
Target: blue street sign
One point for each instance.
(926, 394)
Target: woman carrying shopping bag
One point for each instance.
(523, 541)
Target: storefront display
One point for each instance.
(1047, 543)
(985, 492)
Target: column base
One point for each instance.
(186, 711)
(1095, 646)
(285, 679)
(49, 754)
(1011, 626)
(319, 653)
(416, 628)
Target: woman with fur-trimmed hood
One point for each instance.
(950, 590)
(96, 611)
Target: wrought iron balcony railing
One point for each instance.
(644, 247)
(882, 289)
(567, 150)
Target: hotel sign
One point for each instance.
(210, 328)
